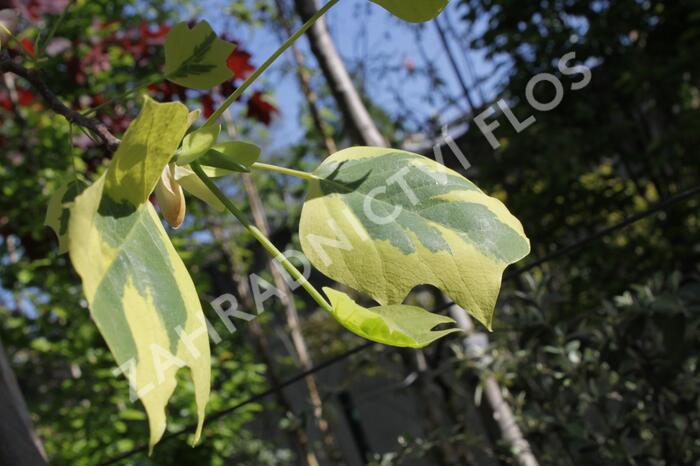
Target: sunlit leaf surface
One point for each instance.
(139, 291)
(384, 221)
(395, 325)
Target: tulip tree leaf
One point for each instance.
(58, 211)
(147, 147)
(141, 298)
(140, 294)
(196, 58)
(231, 156)
(395, 325)
(197, 143)
(414, 11)
(383, 221)
(191, 183)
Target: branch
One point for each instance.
(106, 139)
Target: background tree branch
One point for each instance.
(34, 78)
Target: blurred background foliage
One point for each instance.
(596, 352)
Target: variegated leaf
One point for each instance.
(414, 11)
(139, 291)
(396, 325)
(142, 299)
(196, 58)
(383, 221)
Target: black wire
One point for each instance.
(251, 399)
(663, 205)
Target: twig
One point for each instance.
(106, 139)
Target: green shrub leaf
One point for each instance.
(414, 11)
(196, 58)
(383, 221)
(395, 325)
(141, 298)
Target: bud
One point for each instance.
(8, 24)
(170, 197)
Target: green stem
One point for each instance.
(262, 239)
(284, 170)
(241, 89)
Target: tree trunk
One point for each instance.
(305, 82)
(19, 445)
(298, 434)
(502, 414)
(348, 99)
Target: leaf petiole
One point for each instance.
(262, 239)
(285, 171)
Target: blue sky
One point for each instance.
(369, 39)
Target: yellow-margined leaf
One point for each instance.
(140, 294)
(383, 221)
(142, 299)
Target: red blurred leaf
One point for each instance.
(239, 63)
(207, 105)
(260, 109)
(5, 101)
(27, 46)
(25, 97)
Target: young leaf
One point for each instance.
(147, 147)
(58, 211)
(414, 11)
(142, 299)
(196, 58)
(197, 143)
(237, 156)
(217, 160)
(384, 221)
(195, 186)
(396, 325)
